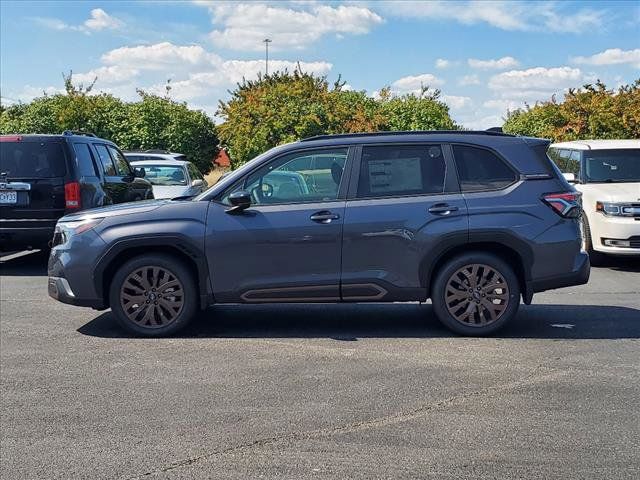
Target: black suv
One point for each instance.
(473, 220)
(43, 177)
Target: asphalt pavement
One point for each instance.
(322, 391)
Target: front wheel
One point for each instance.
(475, 294)
(153, 295)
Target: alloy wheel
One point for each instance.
(477, 295)
(152, 296)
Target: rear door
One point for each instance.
(32, 179)
(403, 209)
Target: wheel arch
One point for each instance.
(516, 255)
(176, 247)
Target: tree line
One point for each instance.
(287, 106)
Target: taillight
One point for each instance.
(565, 204)
(72, 195)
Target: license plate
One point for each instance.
(7, 196)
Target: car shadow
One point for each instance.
(620, 264)
(24, 264)
(351, 322)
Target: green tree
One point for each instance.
(151, 122)
(284, 107)
(593, 111)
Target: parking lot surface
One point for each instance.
(322, 391)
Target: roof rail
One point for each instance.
(408, 132)
(156, 150)
(78, 132)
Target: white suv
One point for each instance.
(607, 172)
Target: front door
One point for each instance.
(287, 245)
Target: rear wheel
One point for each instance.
(476, 294)
(153, 295)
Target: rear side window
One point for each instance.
(105, 160)
(32, 159)
(122, 166)
(86, 167)
(479, 169)
(401, 170)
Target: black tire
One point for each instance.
(596, 258)
(153, 327)
(496, 268)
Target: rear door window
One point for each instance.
(105, 160)
(481, 170)
(84, 159)
(32, 159)
(401, 170)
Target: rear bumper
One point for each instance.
(14, 238)
(578, 276)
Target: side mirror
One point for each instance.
(197, 183)
(570, 177)
(241, 200)
(139, 172)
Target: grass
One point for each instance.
(214, 175)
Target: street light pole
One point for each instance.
(266, 41)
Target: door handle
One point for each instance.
(324, 216)
(442, 209)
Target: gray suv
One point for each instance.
(472, 220)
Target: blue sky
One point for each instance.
(485, 56)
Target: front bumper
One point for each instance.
(614, 228)
(578, 276)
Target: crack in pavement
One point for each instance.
(540, 373)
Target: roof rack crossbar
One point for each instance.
(78, 132)
(408, 132)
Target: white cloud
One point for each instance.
(99, 20)
(456, 102)
(535, 83)
(245, 25)
(161, 56)
(442, 63)
(505, 15)
(611, 56)
(469, 80)
(109, 75)
(498, 64)
(413, 83)
(503, 104)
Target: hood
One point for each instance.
(170, 191)
(114, 210)
(613, 192)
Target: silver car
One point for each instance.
(172, 178)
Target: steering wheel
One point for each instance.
(263, 192)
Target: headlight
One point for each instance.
(64, 230)
(616, 209)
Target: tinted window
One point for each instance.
(32, 159)
(293, 179)
(401, 170)
(194, 173)
(480, 169)
(612, 165)
(86, 167)
(165, 174)
(105, 161)
(134, 158)
(122, 167)
(568, 161)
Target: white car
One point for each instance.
(136, 156)
(607, 172)
(172, 178)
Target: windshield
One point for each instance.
(612, 166)
(164, 174)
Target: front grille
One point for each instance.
(634, 241)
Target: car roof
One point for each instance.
(598, 144)
(171, 163)
(57, 137)
(154, 154)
